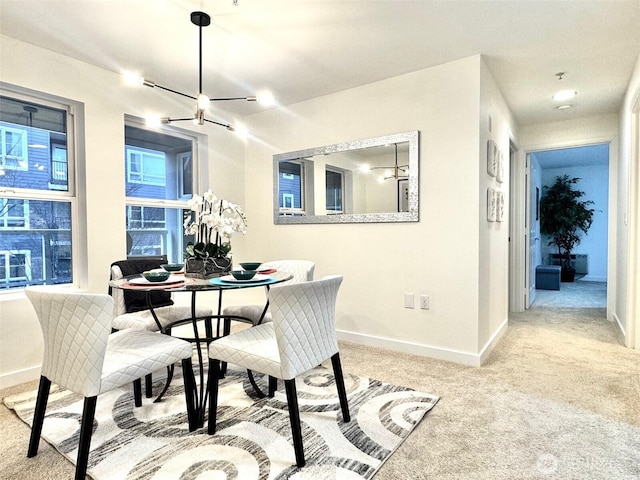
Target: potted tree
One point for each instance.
(562, 216)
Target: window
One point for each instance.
(37, 196)
(13, 147)
(159, 179)
(14, 213)
(14, 267)
(145, 166)
(334, 187)
(291, 185)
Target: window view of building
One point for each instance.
(158, 181)
(290, 184)
(36, 193)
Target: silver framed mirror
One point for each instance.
(372, 180)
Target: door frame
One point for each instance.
(519, 231)
(633, 217)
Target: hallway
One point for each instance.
(580, 293)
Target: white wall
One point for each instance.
(440, 254)
(497, 124)
(106, 101)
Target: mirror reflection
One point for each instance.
(370, 180)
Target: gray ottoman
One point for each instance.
(548, 277)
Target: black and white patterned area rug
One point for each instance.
(253, 437)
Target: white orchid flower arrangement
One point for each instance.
(212, 224)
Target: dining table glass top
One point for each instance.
(177, 282)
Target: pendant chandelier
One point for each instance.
(395, 171)
(202, 101)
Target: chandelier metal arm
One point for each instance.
(248, 99)
(174, 91)
(169, 120)
(222, 99)
(399, 167)
(225, 125)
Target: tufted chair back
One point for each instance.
(303, 317)
(76, 328)
(302, 270)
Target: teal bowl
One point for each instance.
(243, 274)
(250, 265)
(156, 276)
(173, 267)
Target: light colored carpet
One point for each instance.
(580, 293)
(559, 398)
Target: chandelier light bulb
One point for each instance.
(365, 168)
(241, 131)
(133, 79)
(266, 99)
(152, 121)
(203, 101)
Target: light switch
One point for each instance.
(409, 300)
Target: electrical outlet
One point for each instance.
(424, 302)
(409, 300)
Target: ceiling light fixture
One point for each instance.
(564, 107)
(563, 95)
(395, 171)
(199, 19)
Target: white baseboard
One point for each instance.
(620, 326)
(493, 341)
(21, 376)
(439, 353)
(456, 356)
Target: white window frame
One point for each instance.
(199, 165)
(184, 158)
(75, 194)
(303, 188)
(142, 221)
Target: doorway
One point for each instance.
(589, 163)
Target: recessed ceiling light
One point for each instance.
(564, 107)
(564, 95)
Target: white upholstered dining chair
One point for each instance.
(301, 270)
(300, 337)
(131, 309)
(82, 355)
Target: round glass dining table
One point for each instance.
(177, 283)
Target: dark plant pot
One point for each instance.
(567, 274)
(207, 268)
